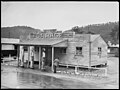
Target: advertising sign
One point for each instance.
(51, 35)
(46, 35)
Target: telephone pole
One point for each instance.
(89, 48)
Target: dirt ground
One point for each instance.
(111, 82)
(113, 70)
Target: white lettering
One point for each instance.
(50, 35)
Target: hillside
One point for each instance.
(109, 31)
(104, 30)
(16, 31)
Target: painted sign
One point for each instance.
(51, 35)
(45, 35)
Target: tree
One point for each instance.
(115, 34)
(90, 32)
(77, 29)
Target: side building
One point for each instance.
(9, 47)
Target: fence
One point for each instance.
(79, 70)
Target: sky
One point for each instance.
(57, 15)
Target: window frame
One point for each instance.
(79, 51)
(99, 51)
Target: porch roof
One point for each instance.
(49, 42)
(9, 41)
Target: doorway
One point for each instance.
(46, 53)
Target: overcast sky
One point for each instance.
(58, 15)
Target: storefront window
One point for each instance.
(63, 50)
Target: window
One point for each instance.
(78, 50)
(99, 51)
(63, 50)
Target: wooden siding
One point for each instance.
(70, 56)
(95, 58)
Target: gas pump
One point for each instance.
(21, 63)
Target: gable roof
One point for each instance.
(93, 37)
(90, 37)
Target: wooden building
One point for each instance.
(9, 47)
(113, 50)
(82, 50)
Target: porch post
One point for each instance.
(22, 57)
(33, 58)
(39, 56)
(32, 54)
(52, 57)
(28, 56)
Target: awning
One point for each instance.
(46, 42)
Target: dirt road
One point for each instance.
(64, 81)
